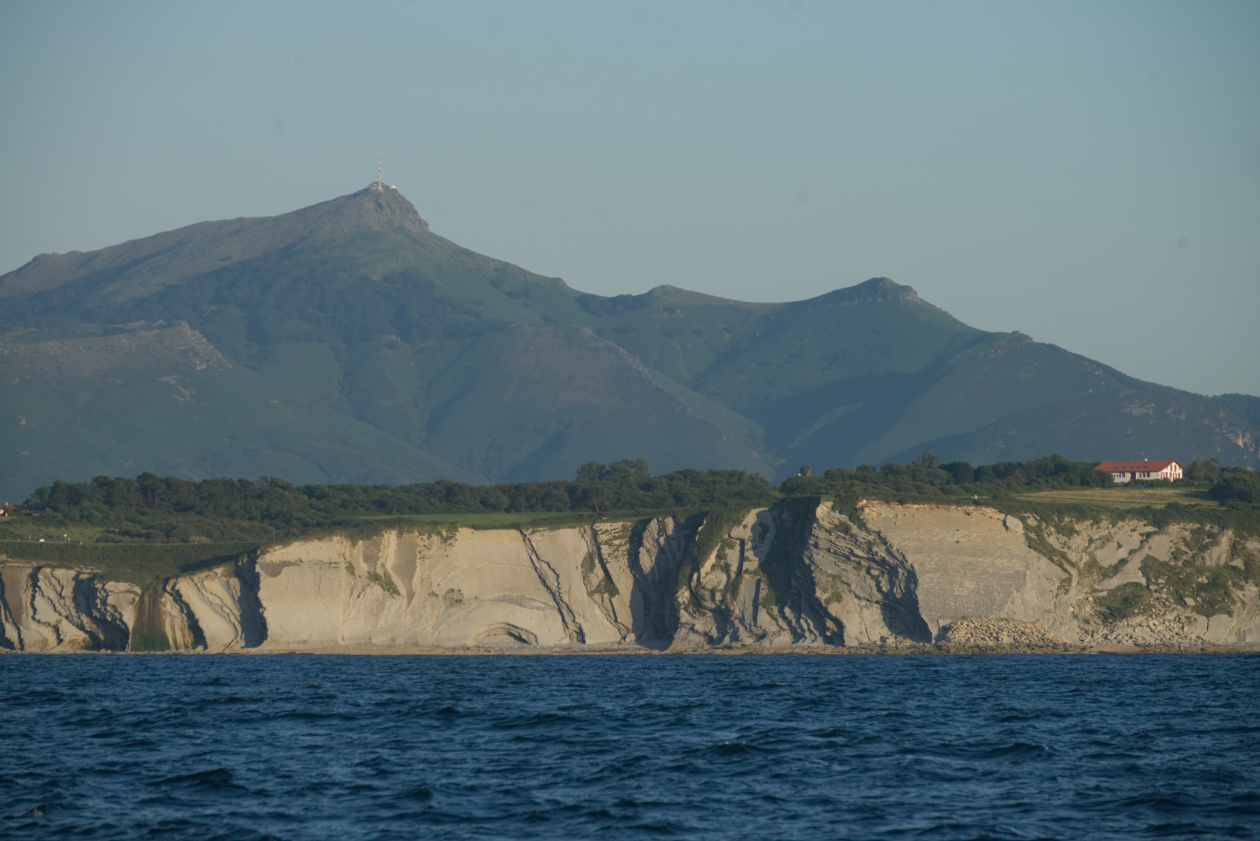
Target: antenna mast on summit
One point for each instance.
(378, 176)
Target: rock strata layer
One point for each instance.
(794, 578)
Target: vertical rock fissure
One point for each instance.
(186, 614)
(33, 593)
(8, 621)
(610, 612)
(551, 583)
(104, 630)
(253, 619)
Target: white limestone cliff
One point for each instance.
(797, 577)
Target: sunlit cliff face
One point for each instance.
(795, 578)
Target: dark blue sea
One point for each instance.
(757, 747)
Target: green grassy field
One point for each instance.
(1124, 498)
(137, 563)
(31, 528)
(506, 519)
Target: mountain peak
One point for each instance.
(875, 289)
(141, 266)
(882, 289)
(375, 206)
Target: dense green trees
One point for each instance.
(168, 508)
(1236, 484)
(924, 477)
(1204, 471)
(151, 507)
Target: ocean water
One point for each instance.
(757, 747)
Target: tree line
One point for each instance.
(151, 507)
(926, 477)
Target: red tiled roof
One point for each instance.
(1134, 466)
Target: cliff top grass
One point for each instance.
(1123, 499)
(498, 519)
(140, 564)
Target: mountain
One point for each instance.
(348, 342)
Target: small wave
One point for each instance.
(26, 699)
(535, 720)
(829, 733)
(1119, 754)
(1178, 830)
(215, 778)
(1224, 776)
(660, 828)
(228, 699)
(667, 707)
(942, 772)
(302, 715)
(418, 793)
(730, 749)
(1018, 750)
(1175, 801)
(981, 751)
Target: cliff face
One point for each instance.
(789, 578)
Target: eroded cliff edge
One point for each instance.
(796, 577)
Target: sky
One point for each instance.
(1085, 173)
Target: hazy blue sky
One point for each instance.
(1087, 173)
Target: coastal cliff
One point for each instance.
(801, 577)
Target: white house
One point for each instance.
(1148, 471)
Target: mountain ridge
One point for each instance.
(353, 309)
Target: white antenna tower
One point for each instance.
(378, 176)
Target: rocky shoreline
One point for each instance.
(1006, 636)
(963, 637)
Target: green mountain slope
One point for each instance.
(679, 333)
(875, 328)
(1243, 405)
(164, 400)
(1146, 423)
(353, 344)
(537, 400)
(999, 374)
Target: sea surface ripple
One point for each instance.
(765, 747)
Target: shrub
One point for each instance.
(1124, 601)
